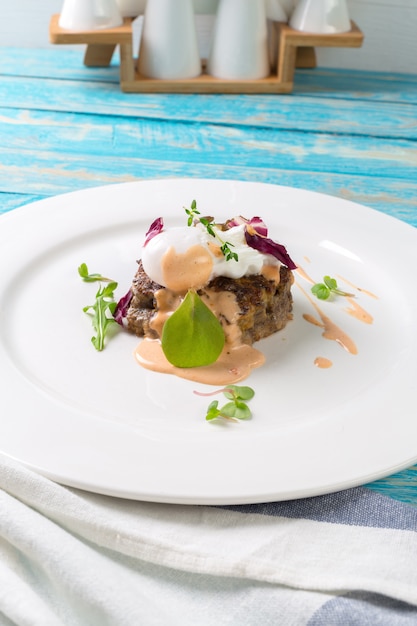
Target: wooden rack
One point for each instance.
(295, 49)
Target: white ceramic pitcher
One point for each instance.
(239, 48)
(321, 16)
(80, 15)
(169, 46)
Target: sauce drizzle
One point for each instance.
(367, 293)
(234, 364)
(322, 362)
(304, 275)
(331, 330)
(358, 312)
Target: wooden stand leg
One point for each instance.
(127, 64)
(306, 58)
(286, 64)
(98, 55)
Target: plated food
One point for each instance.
(203, 293)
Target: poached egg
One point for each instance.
(204, 254)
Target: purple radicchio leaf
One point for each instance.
(122, 307)
(154, 229)
(267, 246)
(236, 221)
(257, 224)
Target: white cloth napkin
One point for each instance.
(73, 558)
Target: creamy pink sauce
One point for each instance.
(358, 312)
(304, 275)
(224, 306)
(237, 360)
(166, 303)
(234, 364)
(271, 272)
(188, 270)
(330, 329)
(365, 291)
(322, 362)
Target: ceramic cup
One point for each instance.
(89, 15)
(239, 48)
(169, 45)
(321, 16)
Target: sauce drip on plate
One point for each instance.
(234, 363)
(330, 329)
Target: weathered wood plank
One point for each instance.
(67, 63)
(67, 145)
(63, 62)
(353, 85)
(289, 112)
(10, 201)
(401, 486)
(50, 175)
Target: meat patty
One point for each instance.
(264, 306)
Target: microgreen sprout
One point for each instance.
(207, 222)
(91, 278)
(236, 409)
(324, 290)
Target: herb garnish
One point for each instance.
(324, 290)
(207, 222)
(236, 409)
(91, 278)
(103, 309)
(227, 252)
(192, 336)
(192, 212)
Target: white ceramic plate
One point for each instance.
(100, 422)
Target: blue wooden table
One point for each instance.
(350, 134)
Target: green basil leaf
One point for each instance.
(192, 336)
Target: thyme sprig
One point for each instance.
(208, 223)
